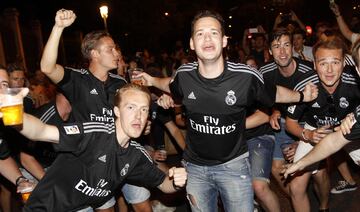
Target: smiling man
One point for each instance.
(349, 132)
(326, 111)
(286, 71)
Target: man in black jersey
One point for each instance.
(286, 71)
(333, 103)
(90, 91)
(348, 132)
(216, 93)
(37, 157)
(87, 172)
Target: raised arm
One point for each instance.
(285, 95)
(329, 145)
(245, 42)
(32, 127)
(160, 83)
(55, 72)
(347, 33)
(297, 20)
(36, 130)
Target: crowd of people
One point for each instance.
(92, 140)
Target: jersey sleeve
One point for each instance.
(263, 92)
(67, 84)
(354, 134)
(164, 115)
(296, 111)
(70, 138)
(146, 173)
(175, 87)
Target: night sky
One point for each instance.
(139, 23)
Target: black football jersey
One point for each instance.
(92, 166)
(329, 109)
(216, 110)
(90, 98)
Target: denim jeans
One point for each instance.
(135, 194)
(261, 154)
(281, 137)
(232, 180)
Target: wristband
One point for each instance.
(301, 97)
(303, 135)
(177, 188)
(17, 181)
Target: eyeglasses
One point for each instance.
(331, 105)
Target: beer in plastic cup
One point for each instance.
(25, 194)
(12, 107)
(135, 80)
(162, 152)
(285, 148)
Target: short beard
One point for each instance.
(284, 66)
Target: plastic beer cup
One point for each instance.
(285, 148)
(25, 194)
(12, 107)
(135, 80)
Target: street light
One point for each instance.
(104, 14)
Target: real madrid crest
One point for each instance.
(343, 102)
(124, 170)
(230, 99)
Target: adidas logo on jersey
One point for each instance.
(102, 158)
(316, 105)
(192, 95)
(93, 91)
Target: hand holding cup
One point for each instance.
(288, 150)
(133, 75)
(11, 103)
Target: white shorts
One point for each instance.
(135, 194)
(353, 148)
(304, 148)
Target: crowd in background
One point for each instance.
(254, 49)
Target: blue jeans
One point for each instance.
(261, 154)
(135, 194)
(281, 137)
(232, 180)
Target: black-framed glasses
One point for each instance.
(331, 105)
